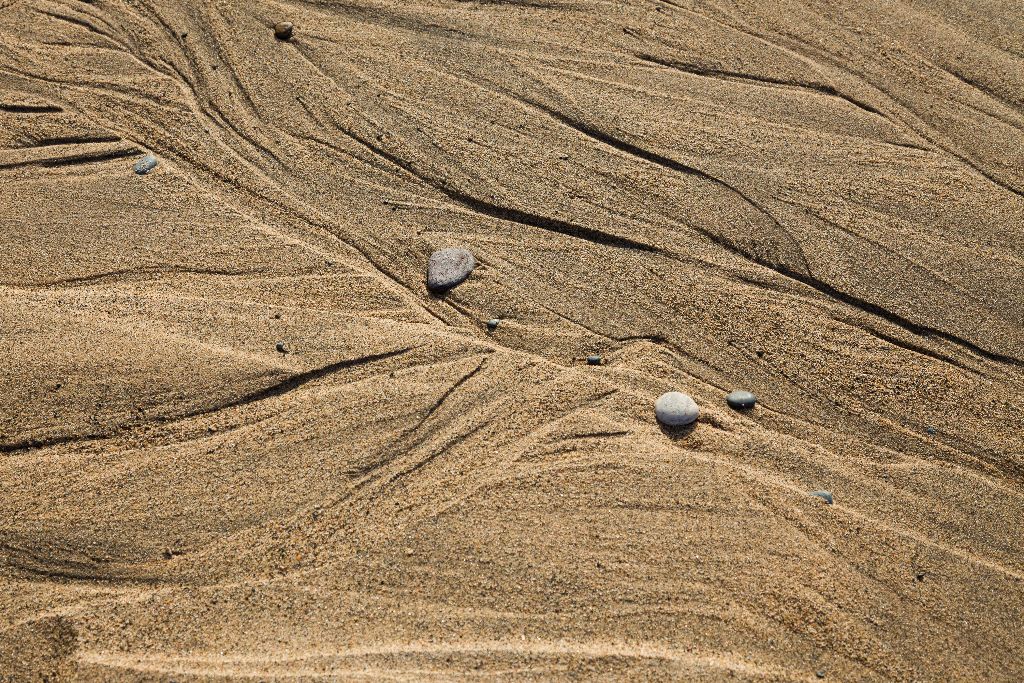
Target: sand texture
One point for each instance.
(818, 201)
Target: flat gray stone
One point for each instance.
(593, 360)
(741, 400)
(283, 30)
(146, 164)
(674, 409)
(824, 495)
(449, 267)
(492, 324)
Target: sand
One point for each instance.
(817, 201)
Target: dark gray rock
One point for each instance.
(741, 400)
(281, 348)
(283, 30)
(492, 324)
(824, 495)
(146, 164)
(593, 360)
(449, 267)
(674, 409)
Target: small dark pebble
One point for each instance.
(492, 324)
(741, 400)
(824, 495)
(593, 360)
(283, 30)
(820, 673)
(146, 164)
(760, 354)
(281, 348)
(449, 267)
(932, 430)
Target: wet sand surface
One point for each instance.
(820, 202)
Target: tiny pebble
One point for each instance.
(145, 164)
(449, 267)
(932, 430)
(492, 324)
(593, 360)
(741, 400)
(824, 495)
(283, 30)
(820, 673)
(281, 347)
(674, 409)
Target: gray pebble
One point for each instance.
(492, 324)
(448, 267)
(741, 400)
(674, 409)
(283, 30)
(281, 348)
(932, 430)
(146, 164)
(593, 360)
(824, 495)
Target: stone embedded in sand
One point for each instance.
(146, 164)
(492, 324)
(448, 267)
(741, 400)
(281, 348)
(674, 409)
(283, 30)
(593, 360)
(824, 495)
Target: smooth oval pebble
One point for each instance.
(283, 30)
(448, 267)
(824, 495)
(146, 164)
(492, 324)
(593, 360)
(741, 400)
(281, 348)
(674, 409)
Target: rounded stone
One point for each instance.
(281, 348)
(146, 164)
(593, 360)
(448, 267)
(492, 324)
(824, 495)
(741, 400)
(674, 409)
(283, 30)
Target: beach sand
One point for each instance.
(821, 202)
